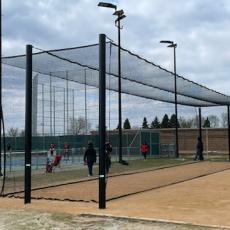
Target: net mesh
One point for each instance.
(65, 88)
(139, 76)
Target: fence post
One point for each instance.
(200, 124)
(228, 135)
(150, 143)
(28, 125)
(102, 120)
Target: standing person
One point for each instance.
(108, 152)
(9, 147)
(90, 158)
(50, 158)
(66, 151)
(199, 150)
(52, 149)
(144, 149)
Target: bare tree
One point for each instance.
(13, 132)
(22, 133)
(214, 121)
(135, 127)
(195, 121)
(224, 120)
(79, 126)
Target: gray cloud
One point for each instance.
(199, 27)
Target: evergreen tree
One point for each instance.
(155, 123)
(127, 124)
(172, 122)
(206, 123)
(145, 123)
(165, 122)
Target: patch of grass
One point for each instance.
(16, 183)
(146, 164)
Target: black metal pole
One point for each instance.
(102, 120)
(119, 92)
(200, 124)
(228, 134)
(175, 86)
(28, 125)
(0, 88)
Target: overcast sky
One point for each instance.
(199, 27)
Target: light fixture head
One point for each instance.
(120, 18)
(172, 45)
(108, 5)
(118, 12)
(166, 41)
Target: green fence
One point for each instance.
(40, 143)
(153, 140)
(130, 139)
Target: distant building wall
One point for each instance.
(214, 139)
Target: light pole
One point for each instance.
(1, 88)
(174, 46)
(120, 15)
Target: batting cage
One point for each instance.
(70, 135)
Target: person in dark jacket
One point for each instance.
(90, 158)
(108, 152)
(8, 147)
(199, 150)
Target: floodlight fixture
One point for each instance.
(108, 5)
(120, 18)
(172, 45)
(166, 41)
(118, 12)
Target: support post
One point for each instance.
(51, 120)
(64, 110)
(200, 129)
(67, 103)
(175, 87)
(28, 125)
(73, 108)
(228, 135)
(102, 120)
(43, 114)
(54, 109)
(1, 88)
(43, 118)
(119, 92)
(86, 121)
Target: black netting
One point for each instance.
(139, 76)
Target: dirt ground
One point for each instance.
(203, 201)
(129, 184)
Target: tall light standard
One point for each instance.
(174, 46)
(1, 87)
(120, 15)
